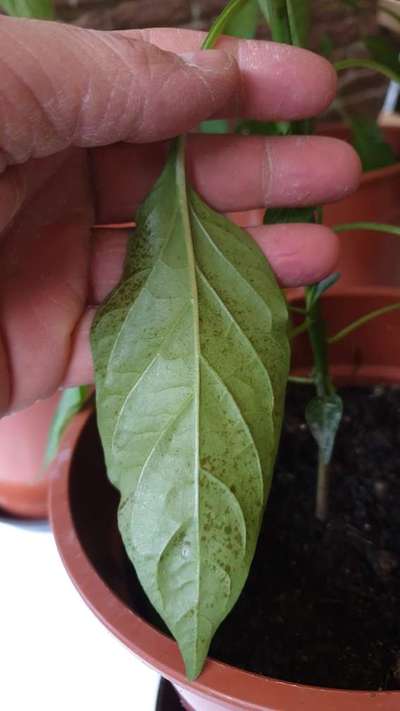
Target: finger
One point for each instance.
(80, 368)
(231, 173)
(20, 183)
(299, 254)
(278, 82)
(116, 88)
(43, 293)
(107, 263)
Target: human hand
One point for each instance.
(84, 119)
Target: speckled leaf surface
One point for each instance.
(191, 357)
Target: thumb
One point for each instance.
(64, 86)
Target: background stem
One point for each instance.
(322, 498)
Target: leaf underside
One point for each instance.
(191, 357)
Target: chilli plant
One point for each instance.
(191, 355)
(289, 21)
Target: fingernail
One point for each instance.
(208, 60)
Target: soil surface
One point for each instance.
(322, 602)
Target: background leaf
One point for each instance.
(384, 51)
(323, 415)
(299, 14)
(39, 9)
(72, 401)
(370, 144)
(214, 126)
(275, 13)
(244, 23)
(263, 128)
(191, 357)
(288, 215)
(317, 290)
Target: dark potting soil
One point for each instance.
(322, 602)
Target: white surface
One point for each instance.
(54, 653)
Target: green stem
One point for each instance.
(318, 340)
(324, 388)
(370, 226)
(299, 330)
(367, 64)
(222, 20)
(300, 380)
(362, 321)
(297, 310)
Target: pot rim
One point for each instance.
(220, 682)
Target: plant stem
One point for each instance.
(362, 321)
(222, 20)
(367, 64)
(322, 499)
(318, 340)
(324, 387)
(297, 310)
(298, 330)
(370, 226)
(300, 380)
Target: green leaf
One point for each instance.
(353, 4)
(214, 126)
(275, 13)
(244, 24)
(73, 400)
(323, 415)
(384, 51)
(370, 144)
(299, 14)
(317, 290)
(289, 215)
(263, 128)
(191, 359)
(326, 45)
(40, 9)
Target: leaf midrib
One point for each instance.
(183, 201)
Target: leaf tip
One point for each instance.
(194, 667)
(194, 655)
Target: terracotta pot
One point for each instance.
(83, 512)
(369, 258)
(23, 439)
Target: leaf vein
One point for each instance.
(239, 412)
(229, 263)
(134, 303)
(146, 370)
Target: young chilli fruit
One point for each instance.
(191, 357)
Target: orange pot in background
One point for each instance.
(23, 439)
(368, 258)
